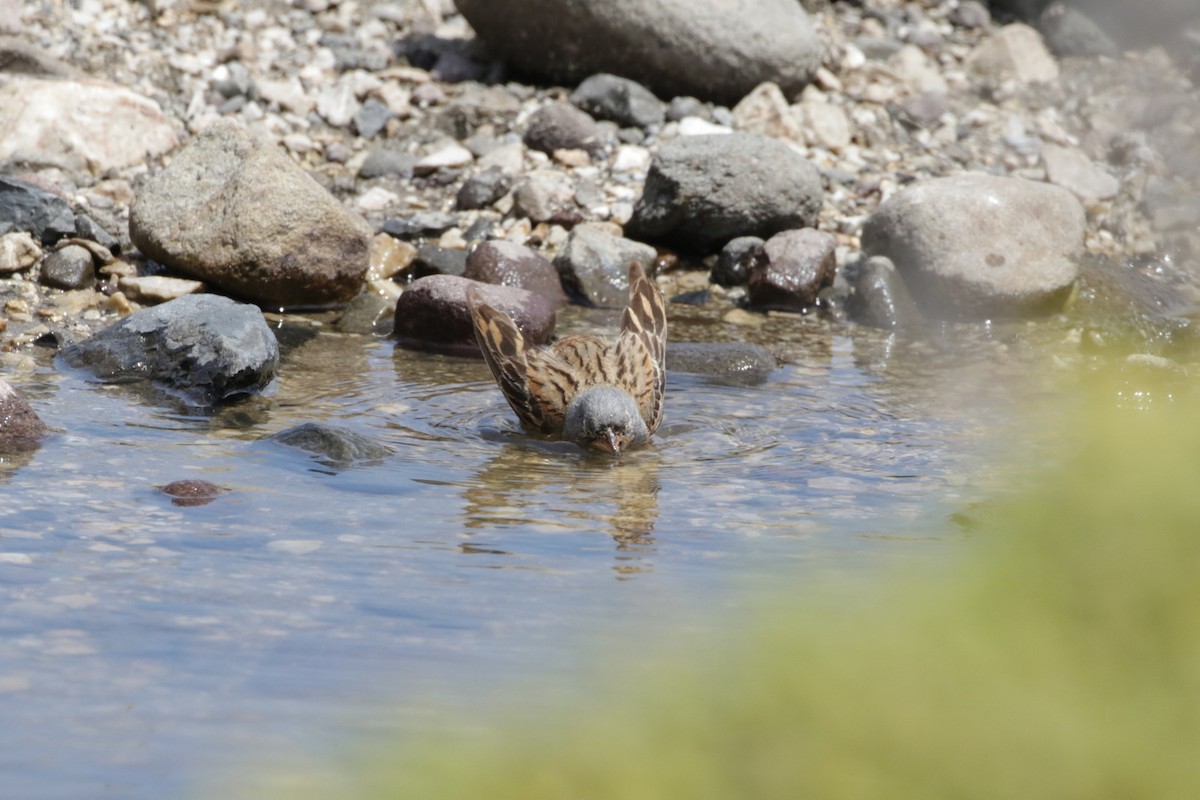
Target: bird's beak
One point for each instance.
(611, 442)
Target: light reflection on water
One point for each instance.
(145, 644)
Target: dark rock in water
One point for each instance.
(736, 259)
(594, 264)
(511, 264)
(21, 429)
(702, 191)
(796, 266)
(480, 191)
(1134, 307)
(384, 161)
(27, 207)
(434, 260)
(716, 49)
(234, 211)
(70, 267)
(206, 347)
(879, 297)
(371, 118)
(366, 314)
(733, 363)
(433, 314)
(421, 223)
(559, 126)
(332, 445)
(191, 492)
(977, 246)
(621, 100)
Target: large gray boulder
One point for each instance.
(702, 191)
(205, 347)
(236, 212)
(978, 246)
(714, 49)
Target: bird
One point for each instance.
(603, 395)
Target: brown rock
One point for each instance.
(511, 264)
(797, 265)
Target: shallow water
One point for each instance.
(146, 649)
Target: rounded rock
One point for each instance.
(736, 259)
(510, 264)
(620, 100)
(70, 267)
(433, 314)
(594, 265)
(795, 267)
(559, 126)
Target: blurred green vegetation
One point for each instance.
(1059, 658)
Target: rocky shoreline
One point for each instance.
(889, 163)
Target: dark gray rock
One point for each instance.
(386, 162)
(879, 297)
(21, 429)
(371, 118)
(208, 348)
(559, 126)
(420, 223)
(593, 265)
(432, 259)
(234, 211)
(732, 363)
(796, 266)
(620, 100)
(70, 267)
(480, 191)
(715, 49)
(736, 259)
(702, 191)
(433, 314)
(1070, 32)
(333, 446)
(88, 228)
(978, 246)
(27, 207)
(511, 264)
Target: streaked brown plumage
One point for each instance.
(605, 395)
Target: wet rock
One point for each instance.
(795, 267)
(702, 191)
(511, 264)
(191, 492)
(1070, 32)
(332, 445)
(731, 363)
(434, 260)
(593, 265)
(18, 252)
(386, 162)
(1133, 306)
(736, 259)
(625, 102)
(480, 191)
(21, 429)
(546, 195)
(1074, 171)
(206, 347)
(433, 314)
(559, 126)
(70, 267)
(82, 126)
(879, 297)
(365, 314)
(30, 208)
(714, 49)
(1014, 52)
(975, 246)
(234, 211)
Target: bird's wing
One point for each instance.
(537, 385)
(641, 350)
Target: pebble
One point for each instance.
(1069, 168)
(157, 288)
(1015, 51)
(448, 156)
(559, 126)
(19, 251)
(625, 102)
(69, 267)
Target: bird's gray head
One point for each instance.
(604, 418)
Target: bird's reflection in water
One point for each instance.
(549, 488)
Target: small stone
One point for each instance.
(1074, 171)
(449, 156)
(432, 259)
(480, 191)
(730, 363)
(192, 492)
(288, 94)
(389, 256)
(384, 161)
(30, 208)
(736, 259)
(366, 313)
(1015, 51)
(511, 264)
(796, 266)
(371, 118)
(18, 251)
(594, 265)
(560, 126)
(151, 289)
(879, 297)
(631, 158)
(21, 429)
(625, 102)
(766, 111)
(337, 104)
(546, 195)
(825, 124)
(69, 267)
(970, 14)
(420, 223)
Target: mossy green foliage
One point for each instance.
(1060, 658)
